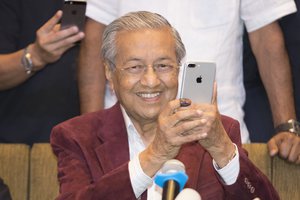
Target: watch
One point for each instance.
(27, 61)
(292, 126)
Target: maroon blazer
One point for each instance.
(93, 156)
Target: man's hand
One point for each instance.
(216, 141)
(51, 42)
(174, 128)
(286, 145)
(183, 122)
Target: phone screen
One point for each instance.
(73, 14)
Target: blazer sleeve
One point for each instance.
(251, 182)
(80, 178)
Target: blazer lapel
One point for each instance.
(114, 151)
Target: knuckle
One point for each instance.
(185, 126)
(39, 33)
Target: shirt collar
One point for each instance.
(135, 142)
(128, 123)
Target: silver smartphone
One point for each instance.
(73, 14)
(198, 81)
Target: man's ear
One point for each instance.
(109, 75)
(107, 70)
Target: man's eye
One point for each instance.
(135, 69)
(163, 67)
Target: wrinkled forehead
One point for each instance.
(144, 33)
(145, 43)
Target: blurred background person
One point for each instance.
(291, 30)
(37, 72)
(258, 115)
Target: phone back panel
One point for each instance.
(198, 80)
(73, 14)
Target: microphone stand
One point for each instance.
(170, 190)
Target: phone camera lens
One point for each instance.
(192, 65)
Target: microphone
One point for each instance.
(171, 178)
(188, 194)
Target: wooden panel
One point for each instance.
(14, 169)
(43, 173)
(286, 179)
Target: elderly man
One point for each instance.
(116, 153)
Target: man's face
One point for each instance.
(143, 93)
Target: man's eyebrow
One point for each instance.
(163, 59)
(134, 59)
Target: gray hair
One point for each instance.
(135, 21)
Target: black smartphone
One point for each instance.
(73, 14)
(198, 81)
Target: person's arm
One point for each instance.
(49, 46)
(91, 76)
(269, 49)
(250, 182)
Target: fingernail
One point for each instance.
(81, 34)
(273, 152)
(75, 28)
(184, 102)
(203, 120)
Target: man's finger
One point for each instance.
(272, 146)
(50, 24)
(285, 148)
(298, 161)
(171, 107)
(295, 150)
(214, 98)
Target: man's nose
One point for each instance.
(150, 77)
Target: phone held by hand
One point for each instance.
(198, 81)
(73, 14)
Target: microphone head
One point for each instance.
(189, 194)
(171, 170)
(172, 166)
